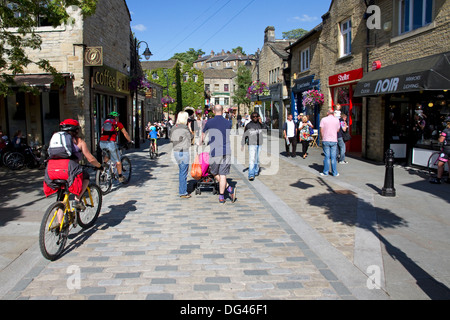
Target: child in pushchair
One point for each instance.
(207, 180)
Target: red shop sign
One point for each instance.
(344, 77)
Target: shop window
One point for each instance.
(414, 14)
(346, 38)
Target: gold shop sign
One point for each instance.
(108, 79)
(93, 57)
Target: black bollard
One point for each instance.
(388, 189)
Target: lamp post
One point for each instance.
(147, 55)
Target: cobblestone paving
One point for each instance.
(150, 244)
(311, 196)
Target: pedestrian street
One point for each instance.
(150, 244)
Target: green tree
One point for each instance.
(192, 90)
(239, 49)
(244, 80)
(188, 57)
(294, 34)
(18, 22)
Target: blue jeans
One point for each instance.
(330, 151)
(254, 152)
(342, 149)
(182, 159)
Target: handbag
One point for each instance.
(196, 170)
(311, 131)
(346, 136)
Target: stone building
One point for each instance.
(219, 87)
(343, 57)
(407, 78)
(272, 68)
(305, 73)
(223, 60)
(94, 56)
(220, 71)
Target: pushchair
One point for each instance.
(207, 180)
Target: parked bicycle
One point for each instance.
(60, 218)
(105, 178)
(25, 156)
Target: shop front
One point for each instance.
(416, 101)
(270, 107)
(36, 114)
(110, 93)
(342, 87)
(300, 86)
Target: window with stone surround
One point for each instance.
(414, 14)
(346, 38)
(304, 60)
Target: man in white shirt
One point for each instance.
(290, 136)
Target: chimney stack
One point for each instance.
(269, 34)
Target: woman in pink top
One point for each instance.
(329, 127)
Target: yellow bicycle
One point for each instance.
(60, 218)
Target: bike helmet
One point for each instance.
(114, 114)
(69, 125)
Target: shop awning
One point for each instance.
(429, 73)
(36, 80)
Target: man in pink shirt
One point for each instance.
(329, 127)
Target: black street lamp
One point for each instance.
(147, 55)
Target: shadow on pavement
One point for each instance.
(334, 204)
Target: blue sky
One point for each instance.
(176, 26)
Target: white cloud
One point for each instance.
(305, 18)
(139, 27)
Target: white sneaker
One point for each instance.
(343, 162)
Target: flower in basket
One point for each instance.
(139, 83)
(258, 88)
(312, 97)
(167, 99)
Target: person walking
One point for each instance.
(304, 127)
(218, 129)
(342, 134)
(180, 136)
(253, 134)
(444, 157)
(290, 136)
(329, 127)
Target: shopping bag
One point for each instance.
(196, 170)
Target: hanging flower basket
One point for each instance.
(312, 97)
(257, 88)
(167, 99)
(139, 83)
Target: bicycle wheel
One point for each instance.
(126, 169)
(87, 218)
(15, 161)
(103, 180)
(432, 163)
(51, 239)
